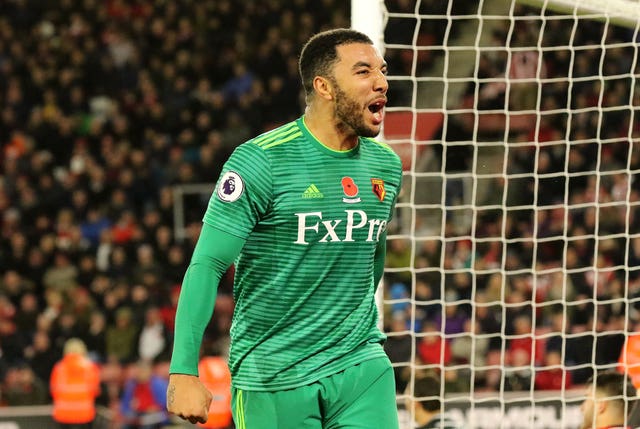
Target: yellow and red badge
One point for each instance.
(378, 188)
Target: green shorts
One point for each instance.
(360, 397)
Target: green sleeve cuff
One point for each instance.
(215, 251)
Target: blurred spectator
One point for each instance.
(552, 375)
(518, 372)
(454, 318)
(144, 399)
(398, 261)
(579, 349)
(95, 336)
(425, 403)
(455, 380)
(470, 348)
(428, 304)
(153, 339)
(23, 387)
(433, 348)
(75, 385)
(399, 346)
(27, 314)
(41, 355)
(62, 276)
(522, 342)
(121, 336)
(629, 360)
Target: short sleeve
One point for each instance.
(243, 193)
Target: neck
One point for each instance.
(606, 423)
(329, 130)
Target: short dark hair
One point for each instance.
(614, 386)
(319, 54)
(427, 387)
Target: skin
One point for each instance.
(598, 412)
(587, 408)
(337, 113)
(343, 99)
(187, 398)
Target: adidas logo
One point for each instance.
(312, 192)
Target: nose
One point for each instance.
(381, 84)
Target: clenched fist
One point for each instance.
(187, 398)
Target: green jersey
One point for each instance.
(304, 286)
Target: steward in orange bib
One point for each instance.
(75, 384)
(629, 361)
(214, 374)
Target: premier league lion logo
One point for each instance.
(230, 187)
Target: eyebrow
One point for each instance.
(366, 64)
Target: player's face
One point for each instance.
(588, 409)
(360, 88)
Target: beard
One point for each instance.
(349, 112)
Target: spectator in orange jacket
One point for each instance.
(629, 361)
(75, 384)
(215, 375)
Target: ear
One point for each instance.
(601, 407)
(323, 87)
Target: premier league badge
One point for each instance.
(230, 187)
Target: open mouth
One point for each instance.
(376, 108)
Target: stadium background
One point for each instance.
(106, 107)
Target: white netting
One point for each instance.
(513, 262)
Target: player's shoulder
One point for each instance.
(276, 137)
(381, 149)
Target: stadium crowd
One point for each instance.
(104, 106)
(542, 287)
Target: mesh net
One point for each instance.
(512, 268)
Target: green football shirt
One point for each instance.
(304, 290)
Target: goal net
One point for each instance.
(512, 268)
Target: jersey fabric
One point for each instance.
(304, 286)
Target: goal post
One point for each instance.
(619, 12)
(367, 16)
(513, 267)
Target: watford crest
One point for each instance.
(378, 188)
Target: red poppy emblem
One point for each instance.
(349, 187)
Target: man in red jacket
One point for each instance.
(75, 384)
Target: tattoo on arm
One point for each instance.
(171, 394)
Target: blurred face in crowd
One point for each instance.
(360, 87)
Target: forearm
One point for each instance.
(214, 253)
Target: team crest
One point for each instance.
(230, 187)
(378, 188)
(350, 190)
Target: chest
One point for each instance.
(333, 200)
